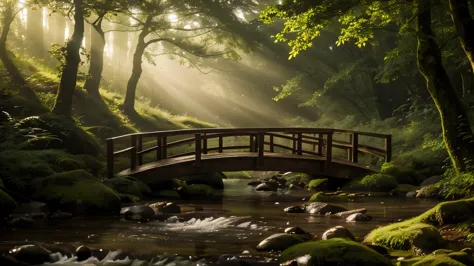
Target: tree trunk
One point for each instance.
(97, 60)
(129, 103)
(67, 86)
(457, 134)
(464, 26)
(34, 32)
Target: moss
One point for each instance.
(372, 183)
(7, 203)
(423, 236)
(403, 189)
(77, 191)
(453, 258)
(323, 197)
(318, 184)
(431, 191)
(128, 185)
(344, 252)
(403, 175)
(295, 178)
(238, 175)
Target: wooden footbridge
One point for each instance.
(162, 155)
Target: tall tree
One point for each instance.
(465, 27)
(67, 85)
(358, 20)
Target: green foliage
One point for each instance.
(457, 185)
(404, 175)
(78, 192)
(343, 251)
(128, 185)
(372, 183)
(317, 183)
(453, 258)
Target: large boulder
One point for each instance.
(7, 204)
(279, 242)
(432, 180)
(444, 258)
(418, 236)
(77, 192)
(322, 208)
(213, 179)
(403, 175)
(268, 186)
(372, 183)
(338, 232)
(332, 252)
(129, 186)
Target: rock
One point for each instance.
(380, 249)
(332, 252)
(31, 254)
(294, 209)
(254, 183)
(59, 215)
(338, 232)
(322, 208)
(432, 180)
(172, 219)
(267, 186)
(32, 208)
(171, 207)
(292, 187)
(431, 191)
(358, 217)
(318, 184)
(213, 180)
(295, 230)
(452, 258)
(129, 186)
(23, 220)
(7, 204)
(279, 242)
(411, 194)
(372, 183)
(77, 192)
(83, 253)
(405, 236)
(141, 213)
(347, 213)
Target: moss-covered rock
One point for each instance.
(372, 183)
(7, 204)
(403, 175)
(279, 242)
(213, 179)
(419, 236)
(296, 178)
(334, 251)
(318, 184)
(431, 191)
(442, 259)
(128, 185)
(77, 192)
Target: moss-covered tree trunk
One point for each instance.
(67, 86)
(464, 26)
(97, 60)
(457, 134)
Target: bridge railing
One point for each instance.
(298, 141)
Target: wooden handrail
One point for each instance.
(321, 142)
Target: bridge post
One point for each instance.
(300, 144)
(349, 150)
(204, 143)
(133, 153)
(261, 143)
(197, 150)
(320, 144)
(158, 148)
(388, 148)
(139, 149)
(252, 143)
(220, 144)
(329, 151)
(272, 149)
(110, 158)
(294, 143)
(164, 148)
(355, 147)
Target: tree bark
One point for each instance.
(129, 103)
(67, 86)
(464, 26)
(34, 32)
(97, 60)
(457, 135)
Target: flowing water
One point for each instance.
(234, 226)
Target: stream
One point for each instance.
(234, 226)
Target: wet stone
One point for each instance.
(294, 209)
(358, 217)
(338, 232)
(59, 215)
(295, 230)
(31, 254)
(83, 253)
